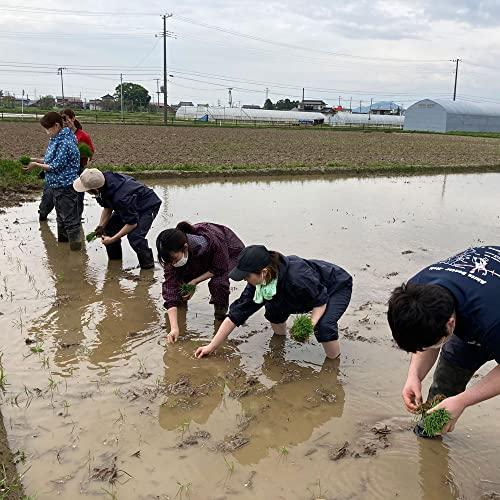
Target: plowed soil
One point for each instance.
(210, 147)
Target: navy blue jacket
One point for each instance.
(127, 197)
(302, 286)
(473, 278)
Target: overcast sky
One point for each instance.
(388, 50)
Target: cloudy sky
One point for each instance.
(380, 49)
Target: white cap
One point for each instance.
(91, 178)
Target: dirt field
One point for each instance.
(193, 147)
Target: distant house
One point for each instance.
(312, 105)
(95, 105)
(250, 106)
(73, 102)
(380, 108)
(185, 103)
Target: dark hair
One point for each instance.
(186, 227)
(273, 267)
(71, 114)
(169, 241)
(418, 315)
(49, 119)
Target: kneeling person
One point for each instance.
(287, 285)
(129, 209)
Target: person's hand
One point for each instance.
(30, 166)
(173, 336)
(189, 296)
(108, 240)
(201, 352)
(412, 393)
(455, 408)
(99, 231)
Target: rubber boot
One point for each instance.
(75, 241)
(62, 236)
(114, 251)
(220, 311)
(449, 380)
(146, 259)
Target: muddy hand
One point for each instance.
(107, 240)
(172, 336)
(412, 394)
(201, 352)
(455, 408)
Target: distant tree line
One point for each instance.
(281, 105)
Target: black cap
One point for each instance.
(251, 260)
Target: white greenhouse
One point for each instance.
(214, 113)
(344, 119)
(440, 115)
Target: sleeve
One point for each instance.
(241, 309)
(220, 257)
(170, 289)
(65, 154)
(307, 285)
(127, 209)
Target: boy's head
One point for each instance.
(420, 316)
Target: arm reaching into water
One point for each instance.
(222, 334)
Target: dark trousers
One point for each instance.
(47, 202)
(68, 217)
(458, 361)
(136, 238)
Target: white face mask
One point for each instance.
(181, 262)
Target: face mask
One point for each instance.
(182, 261)
(266, 291)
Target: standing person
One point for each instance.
(69, 120)
(450, 310)
(61, 164)
(129, 209)
(193, 254)
(287, 285)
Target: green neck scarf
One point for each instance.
(266, 291)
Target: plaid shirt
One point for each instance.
(219, 256)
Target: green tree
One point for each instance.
(9, 101)
(268, 104)
(286, 104)
(46, 102)
(135, 96)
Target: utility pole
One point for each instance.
(267, 93)
(370, 112)
(303, 93)
(456, 76)
(158, 93)
(230, 97)
(121, 95)
(164, 34)
(340, 97)
(350, 104)
(60, 72)
(22, 103)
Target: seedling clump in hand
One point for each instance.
(302, 328)
(25, 160)
(187, 289)
(91, 236)
(433, 423)
(85, 151)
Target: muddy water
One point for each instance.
(103, 408)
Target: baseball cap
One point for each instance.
(91, 178)
(251, 260)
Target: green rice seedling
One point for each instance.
(36, 349)
(184, 490)
(24, 160)
(230, 469)
(85, 151)
(187, 289)
(433, 423)
(283, 453)
(302, 328)
(91, 236)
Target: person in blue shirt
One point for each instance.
(129, 209)
(61, 165)
(451, 310)
(286, 285)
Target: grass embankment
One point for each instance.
(12, 176)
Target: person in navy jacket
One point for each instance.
(451, 309)
(286, 285)
(129, 209)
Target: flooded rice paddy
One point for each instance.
(98, 406)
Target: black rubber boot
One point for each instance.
(75, 241)
(62, 236)
(220, 311)
(114, 251)
(146, 259)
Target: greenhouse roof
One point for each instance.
(463, 107)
